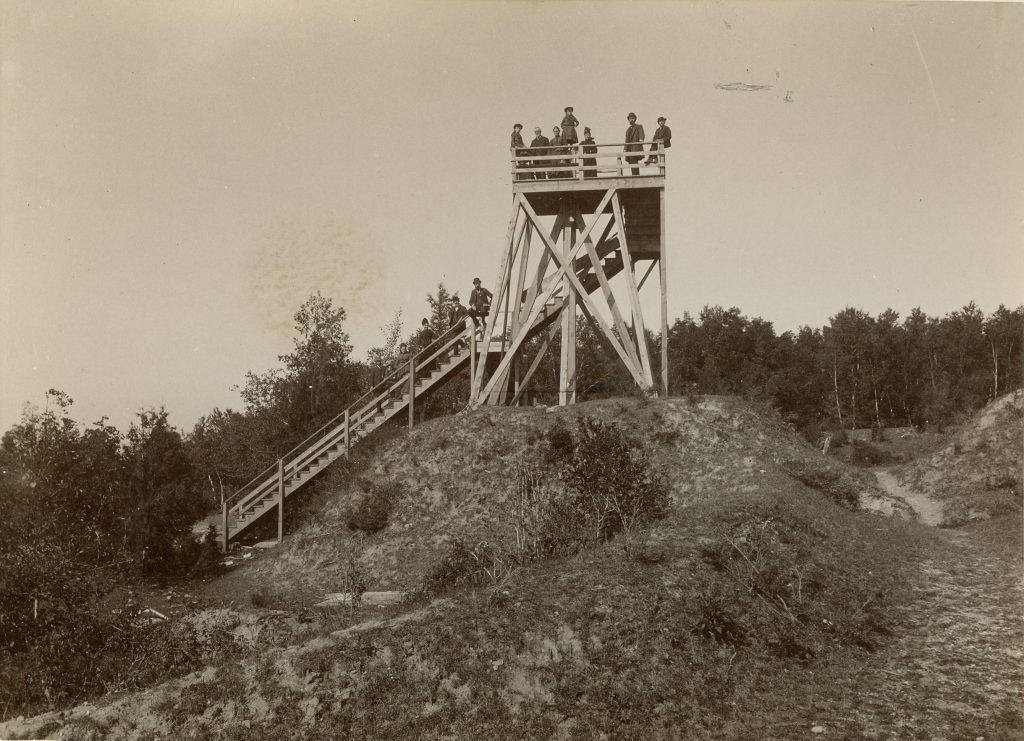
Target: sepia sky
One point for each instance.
(178, 177)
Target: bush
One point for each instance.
(545, 518)
(867, 455)
(606, 486)
(610, 475)
(464, 564)
(560, 445)
(828, 481)
(371, 512)
(785, 596)
(353, 581)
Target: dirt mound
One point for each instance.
(977, 475)
(762, 574)
(451, 478)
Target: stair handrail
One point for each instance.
(399, 370)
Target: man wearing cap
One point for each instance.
(663, 135)
(588, 148)
(539, 140)
(479, 302)
(634, 142)
(519, 150)
(569, 124)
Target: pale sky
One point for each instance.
(178, 177)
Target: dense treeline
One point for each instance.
(858, 370)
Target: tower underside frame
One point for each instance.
(566, 251)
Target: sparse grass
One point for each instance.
(753, 609)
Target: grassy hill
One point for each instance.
(764, 603)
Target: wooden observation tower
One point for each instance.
(586, 232)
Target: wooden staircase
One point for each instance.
(266, 491)
(428, 370)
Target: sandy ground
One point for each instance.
(957, 670)
(928, 511)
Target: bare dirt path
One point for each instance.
(957, 668)
(929, 511)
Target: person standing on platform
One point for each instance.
(558, 141)
(634, 142)
(569, 124)
(519, 150)
(479, 303)
(536, 150)
(588, 148)
(663, 135)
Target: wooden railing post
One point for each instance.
(280, 500)
(223, 524)
(412, 391)
(348, 433)
(472, 359)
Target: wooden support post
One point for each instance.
(664, 303)
(280, 500)
(567, 364)
(500, 288)
(348, 433)
(412, 392)
(223, 525)
(472, 359)
(634, 293)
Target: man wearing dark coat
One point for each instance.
(634, 142)
(519, 150)
(663, 135)
(539, 140)
(479, 303)
(569, 124)
(588, 148)
(561, 147)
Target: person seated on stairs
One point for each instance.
(479, 304)
(457, 315)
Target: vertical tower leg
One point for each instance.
(567, 366)
(664, 303)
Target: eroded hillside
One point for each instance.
(762, 604)
(454, 476)
(977, 474)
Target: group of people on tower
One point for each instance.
(564, 141)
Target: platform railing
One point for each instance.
(588, 161)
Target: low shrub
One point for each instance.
(260, 597)
(828, 481)
(371, 512)
(464, 564)
(353, 580)
(560, 445)
(786, 596)
(613, 481)
(868, 455)
(544, 518)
